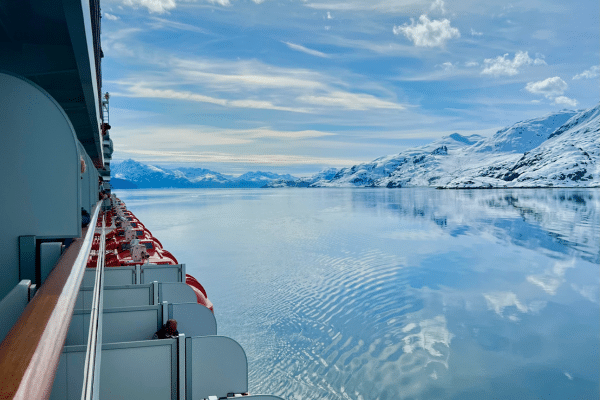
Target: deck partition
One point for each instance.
(214, 366)
(139, 295)
(137, 274)
(140, 370)
(124, 324)
(192, 318)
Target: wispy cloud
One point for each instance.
(552, 278)
(428, 33)
(502, 65)
(162, 23)
(232, 158)
(593, 72)
(306, 50)
(140, 90)
(110, 16)
(475, 33)
(350, 101)
(153, 6)
(438, 5)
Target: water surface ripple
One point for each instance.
(396, 294)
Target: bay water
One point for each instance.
(396, 294)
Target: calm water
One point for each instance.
(396, 294)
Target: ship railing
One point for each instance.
(91, 377)
(28, 362)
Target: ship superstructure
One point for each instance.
(69, 326)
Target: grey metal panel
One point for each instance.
(79, 301)
(78, 329)
(12, 305)
(113, 276)
(38, 145)
(119, 296)
(85, 181)
(176, 293)
(215, 366)
(68, 380)
(27, 258)
(49, 254)
(161, 273)
(93, 186)
(144, 370)
(193, 319)
(124, 324)
(141, 370)
(59, 388)
(131, 323)
(75, 363)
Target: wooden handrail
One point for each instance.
(30, 353)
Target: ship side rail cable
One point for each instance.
(91, 377)
(28, 362)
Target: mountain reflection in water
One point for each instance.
(396, 294)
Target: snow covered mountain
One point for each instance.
(148, 176)
(558, 150)
(318, 178)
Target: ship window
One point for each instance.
(140, 233)
(149, 246)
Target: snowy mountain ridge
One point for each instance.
(558, 150)
(149, 176)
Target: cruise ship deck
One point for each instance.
(71, 328)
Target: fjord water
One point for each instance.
(396, 294)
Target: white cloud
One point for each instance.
(498, 301)
(306, 50)
(593, 72)
(472, 64)
(142, 91)
(565, 101)
(447, 66)
(438, 5)
(549, 88)
(349, 101)
(161, 23)
(151, 154)
(553, 278)
(434, 333)
(502, 65)
(475, 33)
(153, 6)
(428, 33)
(329, 15)
(220, 2)
(110, 16)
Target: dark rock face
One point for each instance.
(442, 150)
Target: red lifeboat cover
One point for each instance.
(201, 296)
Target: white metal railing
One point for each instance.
(91, 377)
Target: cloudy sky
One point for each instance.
(299, 85)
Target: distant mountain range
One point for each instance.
(559, 150)
(130, 174)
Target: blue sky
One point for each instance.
(298, 85)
